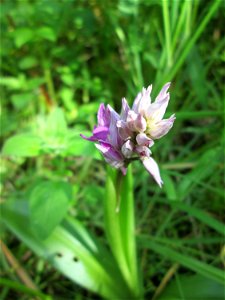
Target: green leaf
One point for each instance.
(56, 123)
(21, 100)
(193, 264)
(28, 62)
(193, 287)
(13, 83)
(77, 146)
(23, 145)
(22, 36)
(54, 131)
(47, 33)
(48, 203)
(71, 250)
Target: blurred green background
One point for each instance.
(59, 61)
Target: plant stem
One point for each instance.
(120, 227)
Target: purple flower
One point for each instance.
(128, 136)
(108, 138)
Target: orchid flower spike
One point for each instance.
(128, 136)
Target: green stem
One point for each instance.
(120, 227)
(50, 85)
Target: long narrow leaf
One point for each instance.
(193, 287)
(193, 264)
(198, 214)
(23, 289)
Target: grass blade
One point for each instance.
(189, 262)
(198, 214)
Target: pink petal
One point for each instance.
(152, 167)
(125, 109)
(143, 140)
(142, 151)
(103, 116)
(112, 156)
(123, 170)
(123, 130)
(127, 149)
(114, 136)
(136, 122)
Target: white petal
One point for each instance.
(125, 109)
(152, 167)
(157, 110)
(136, 102)
(142, 101)
(163, 93)
(140, 123)
(162, 127)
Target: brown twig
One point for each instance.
(20, 271)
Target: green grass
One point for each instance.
(74, 55)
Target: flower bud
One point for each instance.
(127, 149)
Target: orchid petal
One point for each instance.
(112, 156)
(142, 151)
(127, 149)
(103, 116)
(157, 110)
(136, 102)
(114, 136)
(162, 127)
(136, 122)
(123, 130)
(163, 93)
(143, 140)
(123, 170)
(125, 109)
(142, 101)
(152, 167)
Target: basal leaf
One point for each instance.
(71, 250)
(48, 204)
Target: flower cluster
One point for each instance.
(125, 137)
